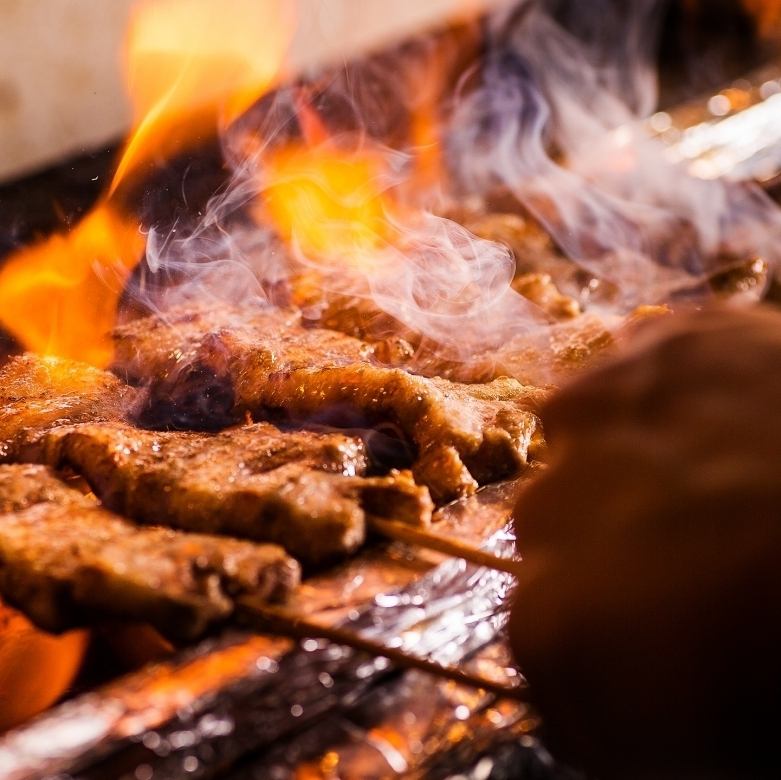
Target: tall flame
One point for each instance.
(59, 297)
(192, 65)
(196, 64)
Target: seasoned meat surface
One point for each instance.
(271, 363)
(302, 490)
(38, 393)
(66, 561)
(274, 339)
(488, 428)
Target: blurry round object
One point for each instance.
(35, 668)
(648, 613)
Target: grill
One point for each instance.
(314, 694)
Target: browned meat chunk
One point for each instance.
(541, 289)
(271, 363)
(532, 247)
(38, 393)
(301, 490)
(65, 561)
(571, 347)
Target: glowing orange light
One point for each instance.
(35, 668)
(59, 297)
(767, 13)
(192, 65)
(195, 64)
(331, 203)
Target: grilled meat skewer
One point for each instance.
(265, 361)
(305, 491)
(302, 490)
(66, 561)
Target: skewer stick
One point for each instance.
(408, 534)
(279, 620)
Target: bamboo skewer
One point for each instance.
(408, 534)
(275, 619)
(280, 620)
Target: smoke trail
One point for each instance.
(550, 107)
(556, 119)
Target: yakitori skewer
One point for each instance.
(414, 535)
(281, 620)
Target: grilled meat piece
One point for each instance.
(299, 489)
(38, 393)
(571, 347)
(540, 289)
(66, 561)
(272, 363)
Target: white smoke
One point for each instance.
(553, 111)
(557, 119)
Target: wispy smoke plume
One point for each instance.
(550, 110)
(557, 120)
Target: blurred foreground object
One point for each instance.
(647, 615)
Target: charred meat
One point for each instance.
(305, 491)
(66, 561)
(272, 364)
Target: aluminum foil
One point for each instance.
(272, 708)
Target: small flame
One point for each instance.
(192, 66)
(329, 203)
(60, 297)
(336, 199)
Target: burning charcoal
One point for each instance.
(299, 489)
(275, 364)
(66, 562)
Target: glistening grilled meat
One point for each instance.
(265, 361)
(301, 490)
(39, 393)
(66, 561)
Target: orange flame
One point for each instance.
(191, 65)
(339, 205)
(330, 202)
(196, 64)
(59, 297)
